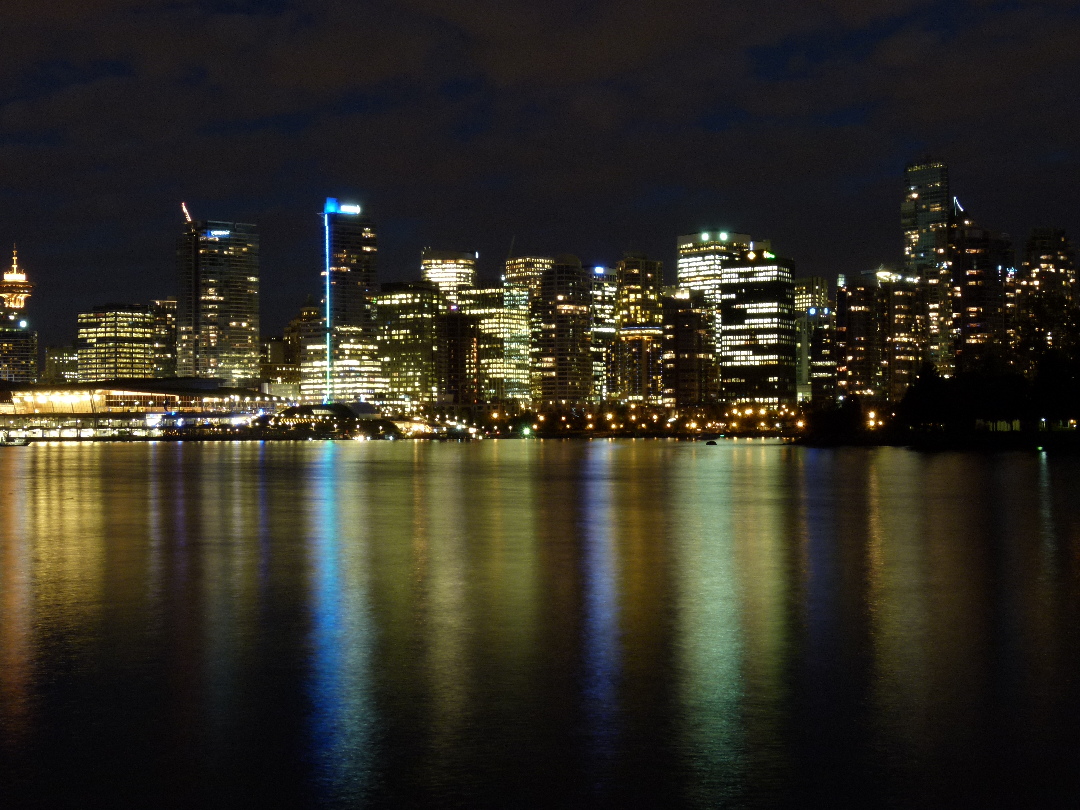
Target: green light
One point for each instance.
(723, 236)
(704, 237)
(526, 431)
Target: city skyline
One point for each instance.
(460, 129)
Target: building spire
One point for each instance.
(14, 258)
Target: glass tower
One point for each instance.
(217, 306)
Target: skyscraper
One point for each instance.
(605, 327)
(814, 319)
(164, 311)
(448, 270)
(350, 363)
(562, 357)
(116, 341)
(408, 343)
(690, 368)
(925, 213)
(639, 337)
(217, 307)
(979, 262)
(503, 355)
(757, 328)
(1044, 315)
(527, 271)
(18, 342)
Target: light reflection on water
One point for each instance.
(524, 623)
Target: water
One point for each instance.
(512, 624)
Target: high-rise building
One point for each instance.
(18, 342)
(527, 271)
(1044, 313)
(562, 356)
(457, 361)
(217, 308)
(449, 270)
(164, 311)
(814, 320)
(639, 339)
(305, 348)
(408, 344)
(980, 263)
(115, 342)
(702, 257)
(880, 342)
(690, 369)
(757, 328)
(61, 365)
(925, 213)
(503, 353)
(605, 327)
(350, 284)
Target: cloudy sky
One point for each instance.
(580, 127)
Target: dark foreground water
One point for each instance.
(531, 624)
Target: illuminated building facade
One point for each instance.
(925, 213)
(164, 311)
(604, 330)
(450, 271)
(457, 361)
(980, 263)
(640, 330)
(1044, 316)
(815, 377)
(527, 272)
(305, 348)
(691, 375)
(217, 307)
(116, 342)
(757, 328)
(880, 339)
(408, 344)
(701, 261)
(503, 353)
(562, 356)
(18, 342)
(61, 365)
(350, 284)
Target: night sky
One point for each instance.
(580, 127)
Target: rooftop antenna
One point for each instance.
(183, 207)
(510, 254)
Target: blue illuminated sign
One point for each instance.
(218, 233)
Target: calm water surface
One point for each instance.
(610, 623)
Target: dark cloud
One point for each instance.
(568, 126)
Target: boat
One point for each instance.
(14, 442)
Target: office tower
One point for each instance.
(562, 355)
(350, 363)
(503, 354)
(1044, 316)
(979, 263)
(527, 271)
(814, 319)
(217, 308)
(408, 313)
(457, 361)
(811, 292)
(757, 328)
(880, 342)
(605, 326)
(691, 375)
(116, 342)
(448, 270)
(305, 348)
(18, 342)
(639, 339)
(61, 365)
(925, 213)
(164, 311)
(701, 261)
